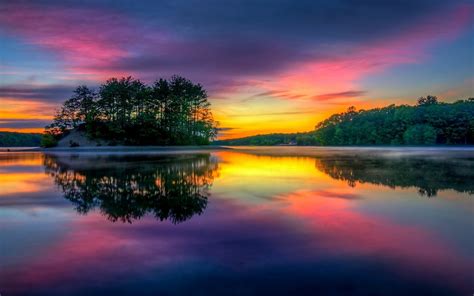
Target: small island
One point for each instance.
(128, 112)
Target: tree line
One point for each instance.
(12, 139)
(127, 111)
(429, 122)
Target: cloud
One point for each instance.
(218, 44)
(314, 51)
(274, 113)
(338, 95)
(226, 129)
(87, 41)
(275, 93)
(22, 123)
(46, 93)
(334, 75)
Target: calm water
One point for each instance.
(276, 221)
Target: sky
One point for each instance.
(268, 66)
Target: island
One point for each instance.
(128, 112)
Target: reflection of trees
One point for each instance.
(126, 188)
(427, 174)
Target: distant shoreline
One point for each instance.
(115, 149)
(176, 149)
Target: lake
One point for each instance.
(248, 221)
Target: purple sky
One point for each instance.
(267, 65)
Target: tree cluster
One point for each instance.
(429, 122)
(127, 111)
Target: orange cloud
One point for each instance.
(13, 110)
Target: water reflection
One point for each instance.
(126, 188)
(426, 174)
(282, 222)
(430, 170)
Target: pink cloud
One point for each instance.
(313, 79)
(89, 42)
(95, 44)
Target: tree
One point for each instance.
(125, 110)
(420, 134)
(428, 100)
(75, 111)
(430, 122)
(48, 140)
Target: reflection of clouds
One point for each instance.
(147, 245)
(22, 173)
(336, 226)
(22, 183)
(307, 230)
(235, 239)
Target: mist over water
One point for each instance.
(279, 220)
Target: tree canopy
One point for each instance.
(429, 122)
(127, 111)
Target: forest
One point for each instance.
(429, 122)
(126, 111)
(12, 139)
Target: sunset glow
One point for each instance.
(258, 81)
(277, 207)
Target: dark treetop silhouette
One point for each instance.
(125, 188)
(126, 111)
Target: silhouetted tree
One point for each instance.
(127, 111)
(428, 100)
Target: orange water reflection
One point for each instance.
(23, 179)
(264, 211)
